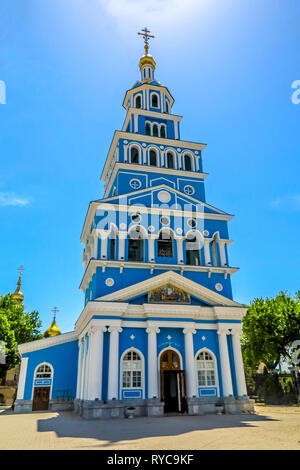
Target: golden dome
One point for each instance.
(147, 59)
(53, 329)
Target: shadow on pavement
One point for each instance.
(67, 424)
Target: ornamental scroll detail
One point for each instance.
(169, 294)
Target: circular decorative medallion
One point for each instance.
(161, 147)
(164, 196)
(123, 226)
(179, 231)
(205, 233)
(135, 183)
(178, 150)
(219, 287)
(165, 220)
(151, 228)
(144, 145)
(192, 223)
(189, 190)
(109, 282)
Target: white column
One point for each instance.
(113, 372)
(79, 368)
(86, 367)
(151, 242)
(135, 122)
(22, 378)
(95, 248)
(225, 364)
(152, 362)
(238, 363)
(191, 387)
(95, 368)
(176, 129)
(83, 363)
(104, 240)
(207, 251)
(122, 237)
(222, 252)
(180, 259)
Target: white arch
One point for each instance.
(135, 98)
(52, 376)
(170, 150)
(156, 150)
(138, 147)
(165, 127)
(215, 369)
(158, 100)
(141, 230)
(192, 160)
(143, 370)
(158, 367)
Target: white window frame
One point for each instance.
(137, 351)
(34, 377)
(206, 350)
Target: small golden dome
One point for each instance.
(18, 295)
(53, 329)
(147, 59)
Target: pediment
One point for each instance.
(169, 287)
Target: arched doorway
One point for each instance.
(172, 382)
(42, 387)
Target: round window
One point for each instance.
(189, 190)
(165, 220)
(135, 183)
(136, 218)
(192, 223)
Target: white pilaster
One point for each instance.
(207, 252)
(104, 241)
(22, 378)
(176, 129)
(225, 364)
(79, 368)
(152, 362)
(222, 252)
(87, 366)
(180, 259)
(95, 367)
(113, 373)
(83, 363)
(95, 247)
(125, 150)
(191, 387)
(151, 242)
(238, 363)
(122, 238)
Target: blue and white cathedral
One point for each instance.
(159, 330)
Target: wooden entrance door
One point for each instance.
(172, 382)
(40, 398)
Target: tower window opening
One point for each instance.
(170, 160)
(187, 163)
(167, 107)
(153, 158)
(136, 246)
(148, 128)
(112, 247)
(165, 244)
(192, 251)
(163, 131)
(138, 102)
(134, 155)
(155, 130)
(154, 101)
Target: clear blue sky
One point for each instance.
(66, 64)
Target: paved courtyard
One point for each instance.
(270, 428)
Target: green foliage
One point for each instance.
(269, 327)
(16, 327)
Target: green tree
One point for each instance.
(16, 327)
(269, 327)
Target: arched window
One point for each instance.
(155, 130)
(165, 244)
(43, 372)
(134, 155)
(192, 247)
(153, 158)
(138, 101)
(136, 245)
(167, 107)
(170, 160)
(187, 162)
(205, 369)
(163, 131)
(113, 245)
(132, 370)
(154, 101)
(148, 128)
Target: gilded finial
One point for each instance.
(53, 329)
(147, 59)
(18, 295)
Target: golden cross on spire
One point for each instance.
(146, 37)
(21, 269)
(55, 310)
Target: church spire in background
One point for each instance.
(53, 329)
(18, 295)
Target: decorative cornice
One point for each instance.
(47, 342)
